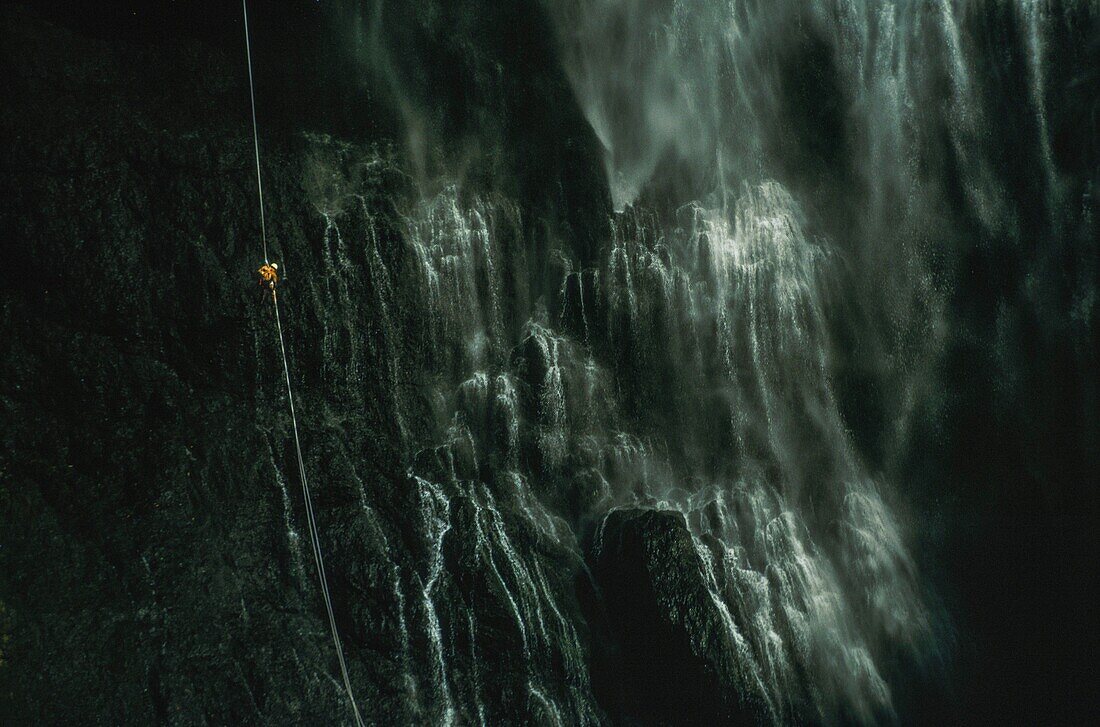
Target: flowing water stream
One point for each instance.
(691, 367)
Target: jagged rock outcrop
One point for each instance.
(666, 660)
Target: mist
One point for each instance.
(656, 361)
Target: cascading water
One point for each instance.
(716, 331)
(649, 355)
(691, 368)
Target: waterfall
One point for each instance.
(654, 361)
(770, 174)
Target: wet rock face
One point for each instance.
(690, 462)
(155, 558)
(663, 660)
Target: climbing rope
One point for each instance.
(255, 131)
(311, 519)
(314, 535)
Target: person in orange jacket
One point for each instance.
(269, 274)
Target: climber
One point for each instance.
(269, 274)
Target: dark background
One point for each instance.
(1009, 473)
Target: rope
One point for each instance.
(311, 519)
(255, 130)
(314, 535)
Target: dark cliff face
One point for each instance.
(649, 576)
(142, 528)
(155, 555)
(812, 448)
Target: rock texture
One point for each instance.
(670, 663)
(782, 451)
